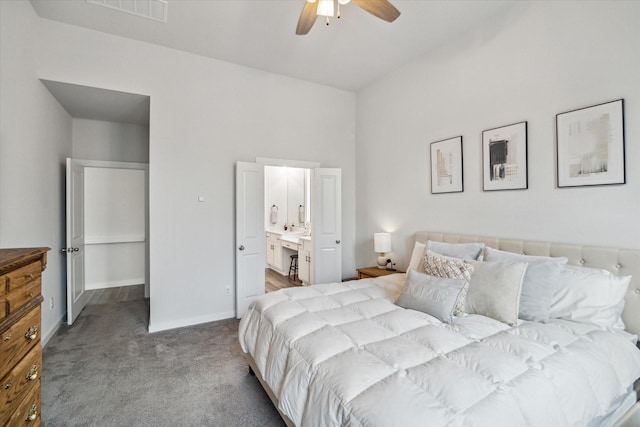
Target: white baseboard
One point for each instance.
(180, 323)
(45, 337)
(114, 283)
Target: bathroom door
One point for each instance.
(250, 235)
(326, 223)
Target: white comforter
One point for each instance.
(344, 355)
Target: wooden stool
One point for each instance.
(293, 266)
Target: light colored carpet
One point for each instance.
(107, 370)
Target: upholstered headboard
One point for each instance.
(621, 262)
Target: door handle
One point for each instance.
(76, 249)
(63, 250)
(241, 248)
(337, 242)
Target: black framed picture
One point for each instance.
(590, 145)
(446, 166)
(504, 158)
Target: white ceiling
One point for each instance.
(100, 104)
(349, 54)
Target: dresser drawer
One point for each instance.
(3, 307)
(19, 297)
(24, 275)
(16, 341)
(19, 382)
(28, 411)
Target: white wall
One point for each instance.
(275, 193)
(110, 141)
(285, 188)
(540, 59)
(35, 138)
(205, 116)
(114, 226)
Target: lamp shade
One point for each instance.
(325, 8)
(382, 242)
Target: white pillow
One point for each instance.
(591, 296)
(432, 295)
(416, 256)
(449, 268)
(494, 290)
(457, 250)
(540, 281)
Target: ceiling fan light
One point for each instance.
(311, 1)
(325, 7)
(342, 2)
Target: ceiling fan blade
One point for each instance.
(307, 18)
(380, 8)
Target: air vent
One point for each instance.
(150, 9)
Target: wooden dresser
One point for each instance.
(20, 349)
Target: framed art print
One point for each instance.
(590, 144)
(446, 166)
(504, 158)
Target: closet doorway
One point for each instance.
(110, 133)
(107, 229)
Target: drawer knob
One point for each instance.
(7, 385)
(32, 414)
(30, 294)
(29, 276)
(32, 333)
(33, 373)
(7, 337)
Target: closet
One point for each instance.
(107, 190)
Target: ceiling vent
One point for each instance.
(150, 9)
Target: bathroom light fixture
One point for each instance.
(382, 244)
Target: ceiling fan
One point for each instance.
(314, 8)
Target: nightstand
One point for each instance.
(366, 272)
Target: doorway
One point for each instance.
(107, 126)
(321, 251)
(287, 195)
(107, 228)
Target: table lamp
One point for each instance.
(382, 244)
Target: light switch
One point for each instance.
(201, 198)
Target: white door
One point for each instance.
(76, 296)
(250, 235)
(326, 221)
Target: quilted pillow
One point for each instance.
(494, 290)
(540, 281)
(448, 268)
(457, 250)
(591, 296)
(435, 296)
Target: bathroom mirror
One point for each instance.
(286, 188)
(295, 196)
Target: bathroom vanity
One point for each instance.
(281, 245)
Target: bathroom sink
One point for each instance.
(291, 237)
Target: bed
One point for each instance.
(346, 354)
